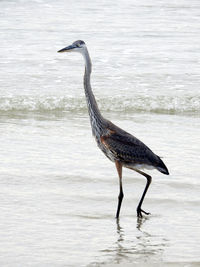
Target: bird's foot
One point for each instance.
(140, 211)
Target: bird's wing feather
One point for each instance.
(126, 147)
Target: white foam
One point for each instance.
(156, 104)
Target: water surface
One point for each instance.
(58, 191)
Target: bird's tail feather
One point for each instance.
(162, 167)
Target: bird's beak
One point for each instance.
(66, 49)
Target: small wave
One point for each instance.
(150, 104)
(41, 104)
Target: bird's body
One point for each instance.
(119, 146)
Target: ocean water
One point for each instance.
(58, 191)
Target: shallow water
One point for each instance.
(58, 191)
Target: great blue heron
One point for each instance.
(122, 148)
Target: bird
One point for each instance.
(121, 147)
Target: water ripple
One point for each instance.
(186, 105)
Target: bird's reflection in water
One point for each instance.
(119, 232)
(140, 222)
(137, 245)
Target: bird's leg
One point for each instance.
(139, 210)
(121, 194)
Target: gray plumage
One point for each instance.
(122, 148)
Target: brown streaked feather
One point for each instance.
(103, 141)
(127, 148)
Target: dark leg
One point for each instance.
(139, 210)
(121, 194)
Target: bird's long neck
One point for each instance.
(96, 119)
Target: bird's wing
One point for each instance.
(126, 147)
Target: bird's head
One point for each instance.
(77, 46)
